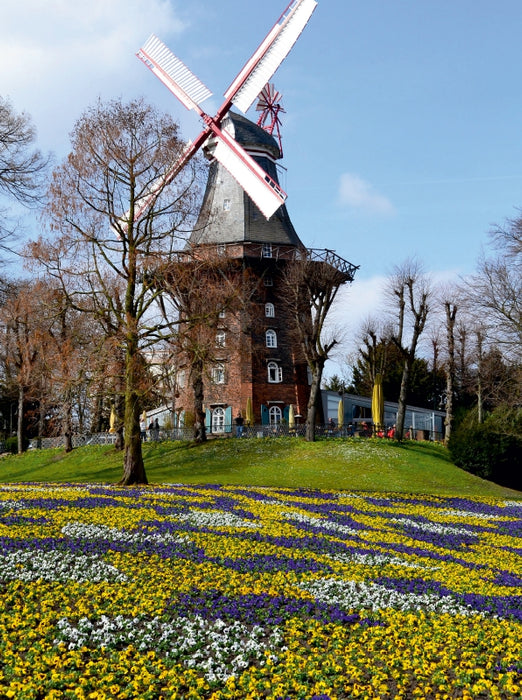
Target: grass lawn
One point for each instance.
(358, 464)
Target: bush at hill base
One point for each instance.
(491, 450)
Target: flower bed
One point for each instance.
(231, 592)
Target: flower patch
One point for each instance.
(234, 593)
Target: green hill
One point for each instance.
(338, 464)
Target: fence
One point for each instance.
(249, 431)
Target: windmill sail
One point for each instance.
(269, 56)
(143, 202)
(173, 73)
(264, 191)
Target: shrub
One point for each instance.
(11, 445)
(489, 453)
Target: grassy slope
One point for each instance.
(368, 465)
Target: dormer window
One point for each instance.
(267, 250)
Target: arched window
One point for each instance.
(274, 415)
(275, 373)
(269, 310)
(218, 420)
(271, 338)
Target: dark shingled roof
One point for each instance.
(228, 215)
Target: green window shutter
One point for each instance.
(208, 419)
(264, 415)
(286, 413)
(228, 420)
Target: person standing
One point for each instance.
(239, 425)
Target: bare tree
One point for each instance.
(409, 294)
(374, 348)
(107, 261)
(495, 291)
(22, 167)
(311, 283)
(447, 302)
(202, 286)
(22, 346)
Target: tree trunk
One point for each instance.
(133, 465)
(311, 411)
(200, 433)
(480, 397)
(451, 312)
(67, 424)
(20, 422)
(403, 395)
(68, 440)
(448, 419)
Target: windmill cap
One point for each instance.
(250, 135)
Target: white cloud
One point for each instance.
(59, 56)
(356, 193)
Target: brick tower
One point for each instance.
(256, 367)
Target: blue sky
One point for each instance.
(402, 133)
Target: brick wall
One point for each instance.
(245, 355)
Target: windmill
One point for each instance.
(269, 104)
(247, 85)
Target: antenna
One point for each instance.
(247, 85)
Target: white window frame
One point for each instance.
(221, 339)
(266, 250)
(271, 338)
(269, 310)
(275, 373)
(268, 282)
(275, 415)
(217, 373)
(218, 419)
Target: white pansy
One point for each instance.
(219, 649)
(353, 595)
(8, 505)
(435, 528)
(377, 559)
(33, 565)
(91, 531)
(321, 522)
(214, 518)
(470, 514)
